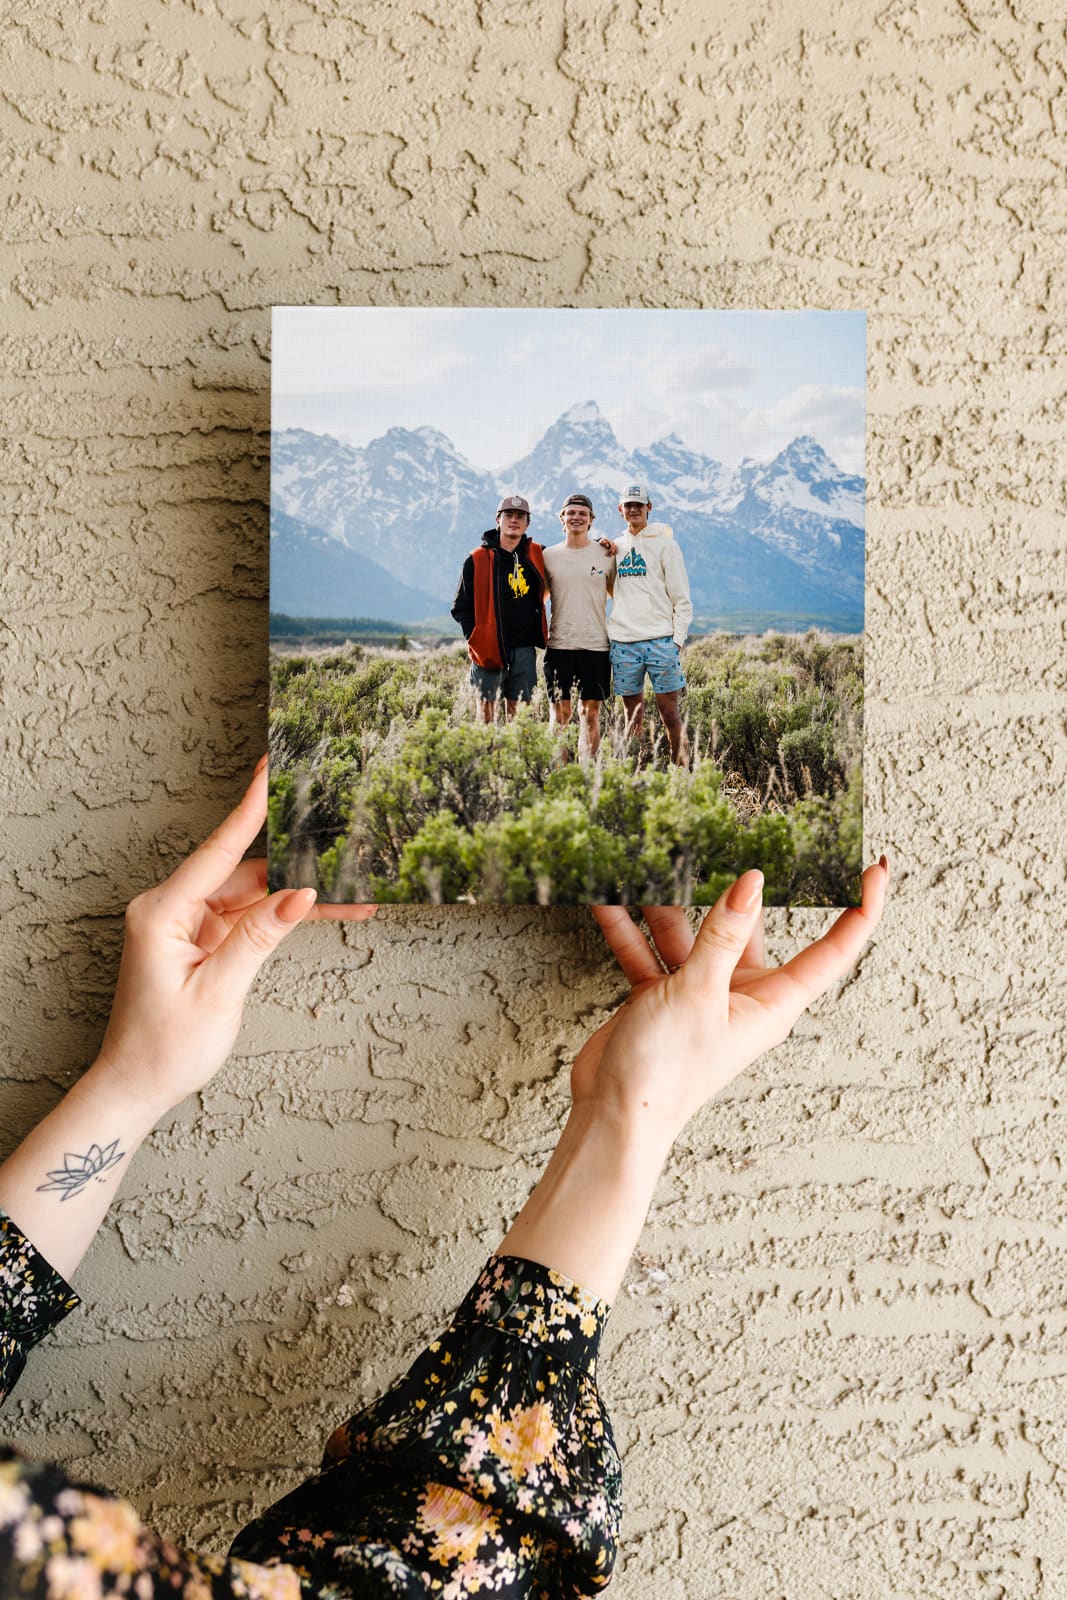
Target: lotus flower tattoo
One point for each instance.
(76, 1171)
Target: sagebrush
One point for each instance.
(384, 787)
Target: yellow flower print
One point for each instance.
(456, 1523)
(265, 1583)
(110, 1531)
(525, 1438)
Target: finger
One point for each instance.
(249, 942)
(210, 867)
(726, 930)
(671, 934)
(341, 913)
(245, 885)
(631, 949)
(812, 971)
(755, 952)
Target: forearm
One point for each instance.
(59, 1182)
(586, 1214)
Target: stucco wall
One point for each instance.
(837, 1369)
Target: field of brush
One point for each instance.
(384, 787)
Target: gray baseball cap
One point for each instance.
(635, 491)
(513, 502)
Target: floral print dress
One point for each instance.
(489, 1469)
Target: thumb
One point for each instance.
(726, 930)
(249, 942)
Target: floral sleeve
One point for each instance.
(489, 1468)
(65, 1541)
(33, 1298)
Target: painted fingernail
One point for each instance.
(295, 905)
(746, 893)
(883, 862)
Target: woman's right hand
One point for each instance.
(685, 1032)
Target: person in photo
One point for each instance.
(578, 659)
(500, 605)
(650, 616)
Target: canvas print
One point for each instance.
(566, 606)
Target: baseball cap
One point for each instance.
(577, 500)
(635, 491)
(513, 502)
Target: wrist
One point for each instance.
(116, 1091)
(585, 1215)
(631, 1141)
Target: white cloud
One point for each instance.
(836, 417)
(719, 425)
(360, 350)
(700, 372)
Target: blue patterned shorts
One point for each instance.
(660, 658)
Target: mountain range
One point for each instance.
(382, 530)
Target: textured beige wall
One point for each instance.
(837, 1370)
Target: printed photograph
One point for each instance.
(566, 607)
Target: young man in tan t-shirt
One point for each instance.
(578, 658)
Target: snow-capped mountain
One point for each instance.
(579, 451)
(806, 509)
(690, 479)
(408, 501)
(394, 520)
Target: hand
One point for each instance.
(193, 946)
(609, 545)
(683, 1034)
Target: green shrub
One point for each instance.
(828, 838)
(551, 852)
(385, 785)
(441, 863)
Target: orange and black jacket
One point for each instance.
(479, 606)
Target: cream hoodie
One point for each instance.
(651, 595)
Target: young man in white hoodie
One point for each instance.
(650, 616)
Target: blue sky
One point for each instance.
(730, 383)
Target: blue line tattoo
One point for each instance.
(76, 1171)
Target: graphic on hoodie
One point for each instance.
(517, 582)
(632, 566)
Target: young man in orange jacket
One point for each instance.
(500, 605)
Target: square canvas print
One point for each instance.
(566, 606)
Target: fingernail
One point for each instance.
(746, 893)
(295, 905)
(883, 862)
(260, 764)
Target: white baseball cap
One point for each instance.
(635, 491)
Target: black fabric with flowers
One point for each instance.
(33, 1298)
(490, 1468)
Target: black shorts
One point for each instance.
(588, 671)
